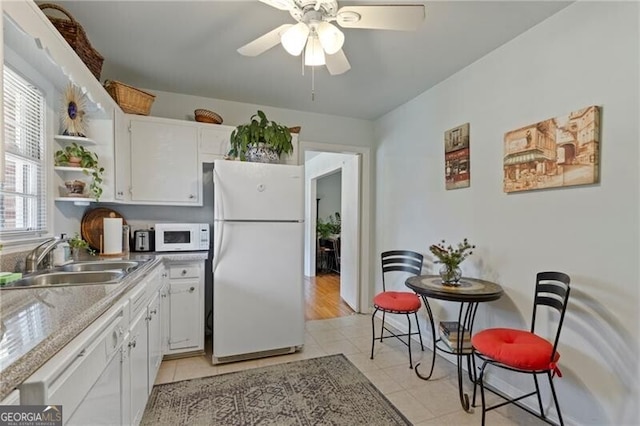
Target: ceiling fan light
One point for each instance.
(294, 38)
(348, 17)
(331, 38)
(313, 54)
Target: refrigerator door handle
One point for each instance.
(218, 230)
(218, 224)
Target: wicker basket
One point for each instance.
(130, 99)
(295, 129)
(206, 116)
(74, 34)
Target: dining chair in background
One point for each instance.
(525, 351)
(398, 262)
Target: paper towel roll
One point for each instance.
(112, 231)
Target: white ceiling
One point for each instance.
(190, 47)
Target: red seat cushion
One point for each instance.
(515, 348)
(397, 301)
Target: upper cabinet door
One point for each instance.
(214, 142)
(122, 190)
(164, 162)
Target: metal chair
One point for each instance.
(524, 351)
(398, 302)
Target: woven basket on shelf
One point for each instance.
(74, 34)
(295, 129)
(206, 116)
(130, 99)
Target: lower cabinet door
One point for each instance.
(138, 364)
(185, 314)
(103, 404)
(155, 339)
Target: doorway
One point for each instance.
(353, 164)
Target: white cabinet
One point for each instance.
(154, 328)
(138, 362)
(164, 162)
(293, 158)
(165, 309)
(12, 399)
(186, 307)
(122, 155)
(75, 377)
(214, 142)
(143, 345)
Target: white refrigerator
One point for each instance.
(258, 294)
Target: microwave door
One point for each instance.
(175, 240)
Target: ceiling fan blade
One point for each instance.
(280, 4)
(406, 17)
(264, 42)
(337, 63)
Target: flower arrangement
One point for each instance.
(452, 256)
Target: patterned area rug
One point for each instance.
(320, 391)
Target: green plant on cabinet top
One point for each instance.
(75, 155)
(260, 130)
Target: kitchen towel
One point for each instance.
(112, 230)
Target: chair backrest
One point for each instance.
(400, 260)
(552, 289)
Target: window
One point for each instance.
(23, 194)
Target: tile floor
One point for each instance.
(433, 402)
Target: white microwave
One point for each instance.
(182, 236)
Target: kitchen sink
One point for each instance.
(59, 279)
(101, 265)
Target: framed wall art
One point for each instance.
(560, 151)
(457, 171)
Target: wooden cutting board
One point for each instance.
(92, 225)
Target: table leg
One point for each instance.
(469, 310)
(433, 340)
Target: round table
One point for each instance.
(469, 292)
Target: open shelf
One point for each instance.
(78, 139)
(72, 169)
(78, 201)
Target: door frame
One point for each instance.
(365, 208)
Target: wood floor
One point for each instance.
(322, 298)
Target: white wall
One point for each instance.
(328, 191)
(587, 54)
(315, 127)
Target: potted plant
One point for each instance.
(75, 155)
(331, 227)
(77, 244)
(261, 140)
(451, 257)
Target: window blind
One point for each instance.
(23, 209)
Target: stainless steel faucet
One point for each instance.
(33, 261)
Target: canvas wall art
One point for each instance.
(457, 171)
(561, 151)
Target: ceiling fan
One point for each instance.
(322, 41)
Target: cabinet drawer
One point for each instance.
(184, 271)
